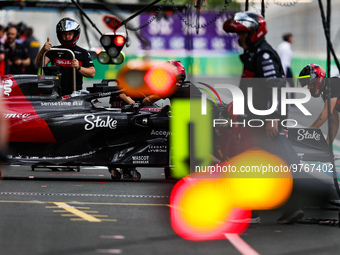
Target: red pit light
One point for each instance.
(160, 80)
(119, 40)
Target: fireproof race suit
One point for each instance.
(262, 61)
(262, 73)
(63, 59)
(335, 91)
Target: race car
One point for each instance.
(47, 130)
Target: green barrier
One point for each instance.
(225, 65)
(218, 66)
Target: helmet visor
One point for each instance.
(304, 80)
(245, 20)
(68, 25)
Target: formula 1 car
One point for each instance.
(47, 130)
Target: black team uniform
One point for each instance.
(12, 54)
(263, 72)
(63, 59)
(335, 91)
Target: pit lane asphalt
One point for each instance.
(134, 217)
(49, 213)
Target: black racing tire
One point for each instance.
(139, 176)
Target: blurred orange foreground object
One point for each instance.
(140, 78)
(205, 206)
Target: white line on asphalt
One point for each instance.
(110, 251)
(80, 195)
(112, 237)
(241, 245)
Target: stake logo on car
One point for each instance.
(98, 122)
(304, 134)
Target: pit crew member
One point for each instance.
(260, 60)
(16, 55)
(68, 32)
(313, 76)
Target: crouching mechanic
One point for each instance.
(313, 76)
(68, 32)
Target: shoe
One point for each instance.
(255, 217)
(246, 220)
(255, 220)
(290, 217)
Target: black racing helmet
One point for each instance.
(66, 25)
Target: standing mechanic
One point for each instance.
(16, 55)
(284, 49)
(32, 45)
(260, 60)
(68, 32)
(313, 76)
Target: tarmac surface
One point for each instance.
(46, 212)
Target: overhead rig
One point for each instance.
(96, 5)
